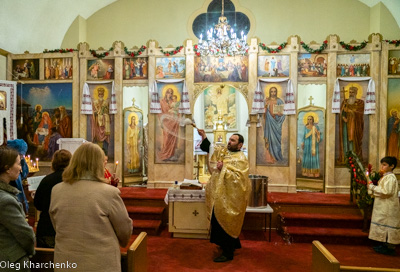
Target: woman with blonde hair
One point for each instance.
(88, 215)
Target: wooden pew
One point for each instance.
(323, 260)
(136, 256)
(134, 260)
(43, 255)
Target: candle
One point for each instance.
(116, 165)
(34, 165)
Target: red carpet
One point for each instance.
(168, 254)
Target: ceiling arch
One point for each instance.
(43, 23)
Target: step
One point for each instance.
(145, 212)
(295, 234)
(320, 220)
(136, 196)
(152, 227)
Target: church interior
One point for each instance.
(313, 86)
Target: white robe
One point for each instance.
(385, 221)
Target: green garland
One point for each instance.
(68, 50)
(273, 50)
(358, 181)
(353, 47)
(173, 52)
(102, 55)
(312, 51)
(395, 42)
(133, 53)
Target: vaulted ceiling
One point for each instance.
(43, 23)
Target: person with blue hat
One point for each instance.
(21, 147)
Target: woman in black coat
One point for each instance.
(45, 234)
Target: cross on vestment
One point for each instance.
(195, 213)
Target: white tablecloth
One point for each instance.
(185, 195)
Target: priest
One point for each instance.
(227, 193)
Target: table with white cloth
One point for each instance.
(187, 213)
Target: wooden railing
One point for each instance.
(324, 261)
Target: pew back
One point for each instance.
(323, 260)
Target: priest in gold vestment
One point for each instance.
(227, 193)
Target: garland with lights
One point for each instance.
(359, 182)
(172, 52)
(353, 47)
(395, 42)
(68, 50)
(195, 49)
(102, 55)
(318, 50)
(273, 50)
(133, 53)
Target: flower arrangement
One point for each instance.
(359, 181)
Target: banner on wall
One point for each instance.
(8, 107)
(272, 138)
(289, 106)
(155, 106)
(99, 101)
(370, 102)
(169, 128)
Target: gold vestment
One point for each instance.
(227, 191)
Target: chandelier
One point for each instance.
(222, 44)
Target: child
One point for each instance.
(174, 105)
(385, 221)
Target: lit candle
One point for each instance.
(116, 165)
(34, 165)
